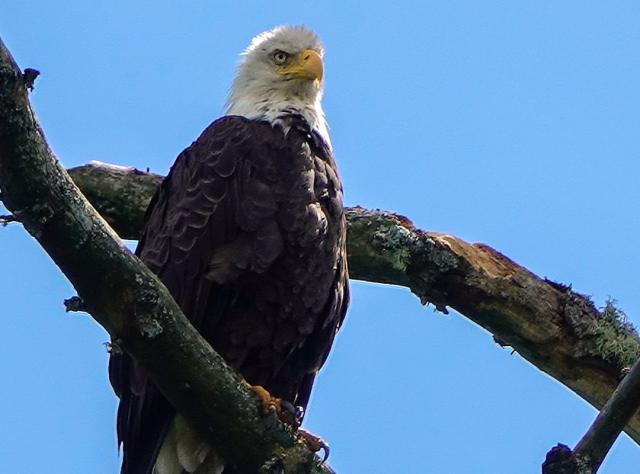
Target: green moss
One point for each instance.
(615, 337)
(396, 244)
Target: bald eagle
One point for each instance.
(248, 234)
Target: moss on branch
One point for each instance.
(556, 329)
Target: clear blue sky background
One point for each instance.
(510, 123)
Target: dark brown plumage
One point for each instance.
(248, 234)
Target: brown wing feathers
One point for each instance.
(248, 234)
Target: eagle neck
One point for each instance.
(272, 105)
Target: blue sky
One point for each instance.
(509, 123)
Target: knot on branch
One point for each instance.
(431, 260)
(7, 219)
(75, 305)
(562, 460)
(29, 76)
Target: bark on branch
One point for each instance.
(127, 299)
(556, 329)
(591, 450)
(606, 428)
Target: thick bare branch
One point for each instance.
(554, 328)
(126, 298)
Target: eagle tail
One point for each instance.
(183, 451)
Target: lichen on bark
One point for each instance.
(615, 337)
(555, 328)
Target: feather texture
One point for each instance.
(248, 234)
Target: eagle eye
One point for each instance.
(280, 57)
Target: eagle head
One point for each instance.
(280, 73)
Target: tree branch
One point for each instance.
(556, 329)
(591, 450)
(127, 299)
(606, 428)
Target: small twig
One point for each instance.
(7, 219)
(29, 76)
(74, 304)
(113, 346)
(596, 443)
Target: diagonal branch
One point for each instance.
(557, 330)
(127, 299)
(606, 428)
(554, 328)
(591, 450)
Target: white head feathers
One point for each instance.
(280, 73)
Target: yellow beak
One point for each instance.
(306, 65)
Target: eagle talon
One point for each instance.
(269, 403)
(284, 411)
(244, 245)
(299, 415)
(315, 443)
(288, 414)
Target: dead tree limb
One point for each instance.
(556, 329)
(126, 298)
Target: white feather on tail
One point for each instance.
(184, 450)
